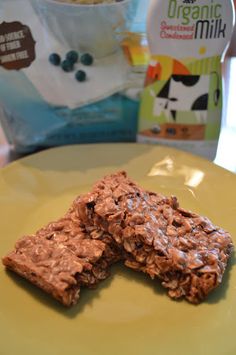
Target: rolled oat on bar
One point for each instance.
(182, 249)
(61, 258)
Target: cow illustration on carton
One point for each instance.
(184, 93)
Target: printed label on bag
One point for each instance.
(17, 46)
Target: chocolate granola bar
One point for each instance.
(182, 249)
(62, 257)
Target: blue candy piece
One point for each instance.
(80, 75)
(86, 59)
(72, 56)
(67, 66)
(54, 59)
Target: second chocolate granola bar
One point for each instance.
(61, 258)
(184, 250)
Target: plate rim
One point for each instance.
(196, 157)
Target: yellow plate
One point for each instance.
(128, 313)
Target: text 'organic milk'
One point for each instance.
(182, 99)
